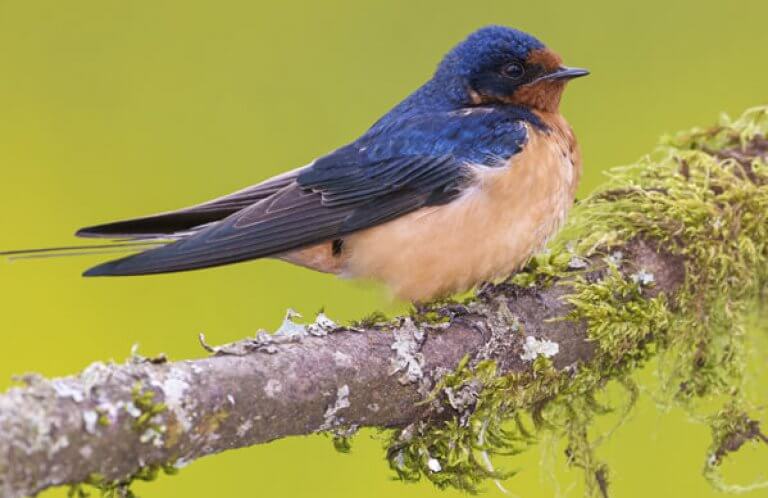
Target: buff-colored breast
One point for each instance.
(490, 231)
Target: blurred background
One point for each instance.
(112, 109)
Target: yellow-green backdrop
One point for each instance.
(117, 108)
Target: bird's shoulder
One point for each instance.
(468, 135)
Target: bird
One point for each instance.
(458, 184)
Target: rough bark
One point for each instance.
(113, 420)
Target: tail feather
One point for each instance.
(145, 234)
(81, 250)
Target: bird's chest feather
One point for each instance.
(506, 215)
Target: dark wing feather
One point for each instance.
(172, 222)
(287, 219)
(294, 217)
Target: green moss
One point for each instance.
(457, 444)
(342, 443)
(702, 196)
(373, 319)
(121, 488)
(148, 428)
(543, 269)
(731, 429)
(103, 419)
(144, 401)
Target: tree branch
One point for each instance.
(111, 421)
(63, 430)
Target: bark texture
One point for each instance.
(114, 420)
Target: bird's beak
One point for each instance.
(563, 73)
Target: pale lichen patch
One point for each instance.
(643, 278)
(342, 360)
(59, 444)
(408, 358)
(273, 388)
(174, 387)
(464, 397)
(322, 325)
(95, 374)
(502, 325)
(331, 416)
(90, 421)
(289, 328)
(243, 428)
(132, 409)
(153, 436)
(86, 452)
(68, 388)
(577, 263)
(434, 465)
(533, 348)
(616, 258)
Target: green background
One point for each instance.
(111, 109)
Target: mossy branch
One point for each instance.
(663, 262)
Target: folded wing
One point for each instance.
(394, 169)
(297, 215)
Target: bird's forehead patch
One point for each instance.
(546, 58)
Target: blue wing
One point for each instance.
(398, 166)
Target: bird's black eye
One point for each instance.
(513, 70)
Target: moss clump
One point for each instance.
(143, 400)
(731, 429)
(145, 411)
(702, 197)
(374, 319)
(458, 445)
(502, 414)
(120, 488)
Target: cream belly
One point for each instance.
(490, 231)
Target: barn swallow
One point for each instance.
(458, 184)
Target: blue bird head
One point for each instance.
(500, 65)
